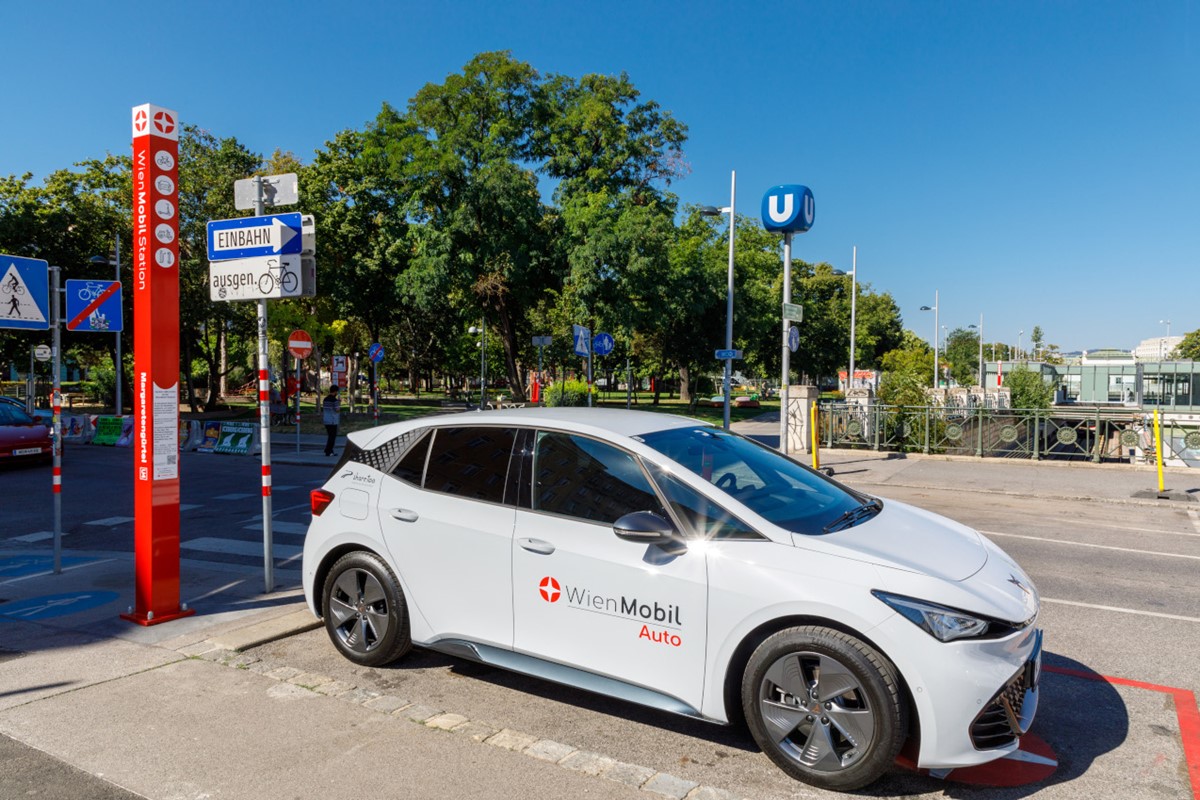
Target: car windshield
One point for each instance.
(775, 487)
(11, 415)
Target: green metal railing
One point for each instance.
(1055, 433)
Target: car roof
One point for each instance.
(603, 421)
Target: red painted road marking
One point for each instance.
(92, 306)
(1185, 711)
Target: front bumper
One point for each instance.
(973, 698)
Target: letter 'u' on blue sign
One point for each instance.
(789, 208)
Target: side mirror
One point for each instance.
(644, 527)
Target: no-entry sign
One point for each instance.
(300, 344)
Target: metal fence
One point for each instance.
(1094, 434)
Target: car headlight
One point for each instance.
(943, 623)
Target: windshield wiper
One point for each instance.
(850, 518)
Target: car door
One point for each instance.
(445, 523)
(585, 598)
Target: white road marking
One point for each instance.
(234, 496)
(1132, 528)
(1120, 610)
(283, 487)
(189, 506)
(1089, 544)
(210, 544)
(280, 526)
(36, 537)
(50, 571)
(110, 522)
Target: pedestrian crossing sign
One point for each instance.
(24, 293)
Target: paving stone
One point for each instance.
(387, 704)
(262, 667)
(310, 679)
(548, 750)
(476, 730)
(283, 673)
(358, 696)
(710, 793)
(446, 722)
(512, 740)
(588, 763)
(333, 688)
(669, 786)
(629, 774)
(420, 713)
(200, 649)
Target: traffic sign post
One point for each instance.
(24, 293)
(94, 306)
(375, 354)
(583, 347)
(258, 278)
(300, 346)
(277, 190)
(787, 209)
(156, 365)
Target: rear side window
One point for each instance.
(470, 462)
(411, 466)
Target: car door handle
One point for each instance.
(536, 546)
(404, 515)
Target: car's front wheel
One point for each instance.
(824, 706)
(365, 613)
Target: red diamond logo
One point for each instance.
(139, 121)
(550, 589)
(164, 122)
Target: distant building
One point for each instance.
(1157, 349)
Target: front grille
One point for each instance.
(999, 722)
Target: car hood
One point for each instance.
(912, 539)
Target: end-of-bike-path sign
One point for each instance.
(94, 306)
(24, 293)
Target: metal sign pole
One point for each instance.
(264, 420)
(783, 386)
(299, 386)
(120, 366)
(56, 401)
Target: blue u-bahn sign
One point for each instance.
(789, 208)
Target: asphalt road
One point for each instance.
(1117, 580)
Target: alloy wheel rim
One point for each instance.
(358, 606)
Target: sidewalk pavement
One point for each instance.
(174, 710)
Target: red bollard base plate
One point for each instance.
(150, 618)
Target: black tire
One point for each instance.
(365, 613)
(840, 734)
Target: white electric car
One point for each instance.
(667, 562)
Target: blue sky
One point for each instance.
(1036, 162)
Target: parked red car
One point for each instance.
(22, 438)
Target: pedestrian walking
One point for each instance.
(331, 412)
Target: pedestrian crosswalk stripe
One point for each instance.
(109, 521)
(212, 544)
(35, 537)
(234, 496)
(280, 526)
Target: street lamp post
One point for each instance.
(712, 211)
(1162, 343)
(1019, 335)
(981, 348)
(934, 309)
(853, 303)
(481, 331)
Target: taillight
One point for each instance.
(319, 500)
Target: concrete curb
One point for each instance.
(265, 632)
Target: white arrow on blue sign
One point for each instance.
(24, 293)
(793, 338)
(583, 340)
(249, 237)
(721, 355)
(602, 344)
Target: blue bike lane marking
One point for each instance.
(54, 605)
(22, 566)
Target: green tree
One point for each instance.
(1029, 390)
(962, 353)
(907, 372)
(1189, 348)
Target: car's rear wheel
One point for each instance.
(365, 613)
(824, 706)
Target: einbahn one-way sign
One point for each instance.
(250, 237)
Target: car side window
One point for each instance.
(411, 466)
(587, 479)
(707, 519)
(470, 462)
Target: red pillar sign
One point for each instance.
(156, 365)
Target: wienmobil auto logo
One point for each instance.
(662, 616)
(550, 589)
